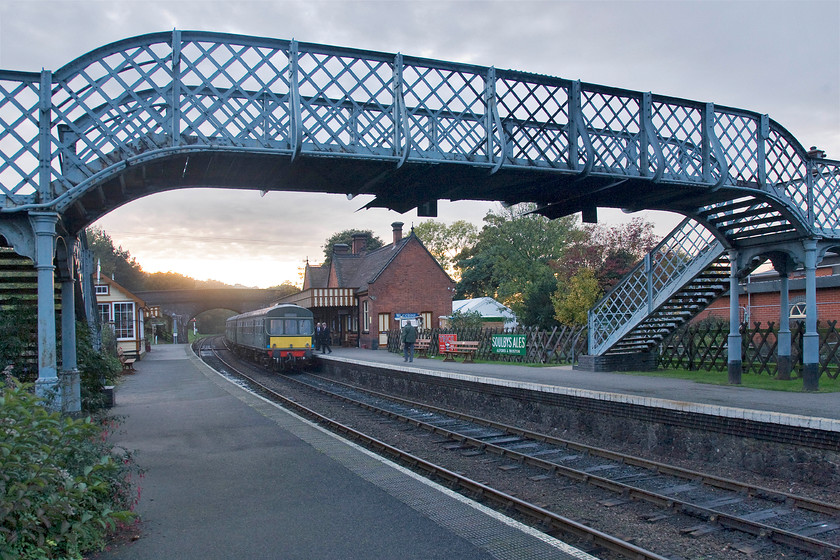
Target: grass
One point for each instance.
(749, 380)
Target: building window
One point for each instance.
(103, 290)
(426, 318)
(365, 316)
(124, 320)
(104, 313)
(384, 322)
(797, 310)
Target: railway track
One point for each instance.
(768, 517)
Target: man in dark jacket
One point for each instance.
(408, 336)
(326, 339)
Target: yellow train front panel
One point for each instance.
(297, 346)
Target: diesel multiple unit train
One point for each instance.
(279, 336)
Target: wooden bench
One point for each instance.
(466, 348)
(421, 347)
(127, 363)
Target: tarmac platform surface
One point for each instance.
(232, 476)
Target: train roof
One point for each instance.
(281, 310)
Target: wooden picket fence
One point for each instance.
(701, 346)
(561, 345)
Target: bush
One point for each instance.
(18, 338)
(96, 369)
(63, 488)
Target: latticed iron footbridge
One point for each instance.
(200, 109)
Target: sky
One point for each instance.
(781, 58)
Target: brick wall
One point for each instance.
(764, 307)
(412, 283)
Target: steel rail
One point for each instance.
(711, 480)
(542, 516)
(729, 521)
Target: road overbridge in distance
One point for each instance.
(199, 109)
(183, 305)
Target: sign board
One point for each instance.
(399, 316)
(513, 344)
(445, 342)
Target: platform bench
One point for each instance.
(421, 347)
(466, 348)
(127, 363)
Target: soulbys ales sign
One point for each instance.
(513, 344)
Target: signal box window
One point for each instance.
(124, 320)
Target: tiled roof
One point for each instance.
(357, 271)
(319, 276)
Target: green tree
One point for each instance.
(573, 299)
(511, 260)
(468, 320)
(610, 252)
(346, 236)
(115, 262)
(445, 242)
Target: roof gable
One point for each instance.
(358, 270)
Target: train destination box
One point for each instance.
(508, 344)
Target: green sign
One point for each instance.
(509, 344)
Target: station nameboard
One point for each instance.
(509, 344)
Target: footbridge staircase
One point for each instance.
(679, 278)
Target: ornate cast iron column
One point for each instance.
(734, 340)
(71, 398)
(43, 224)
(811, 340)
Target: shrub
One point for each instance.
(96, 369)
(63, 488)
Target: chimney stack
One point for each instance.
(359, 242)
(397, 227)
(341, 249)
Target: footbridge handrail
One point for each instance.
(685, 252)
(182, 91)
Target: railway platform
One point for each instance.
(230, 475)
(807, 410)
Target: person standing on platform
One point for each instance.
(317, 338)
(326, 339)
(408, 337)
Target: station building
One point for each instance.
(124, 313)
(364, 294)
(759, 297)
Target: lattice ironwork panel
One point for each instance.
(233, 94)
(787, 170)
(19, 99)
(535, 120)
(679, 128)
(346, 103)
(827, 197)
(738, 135)
(109, 108)
(446, 112)
(613, 125)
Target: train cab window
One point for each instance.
(294, 326)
